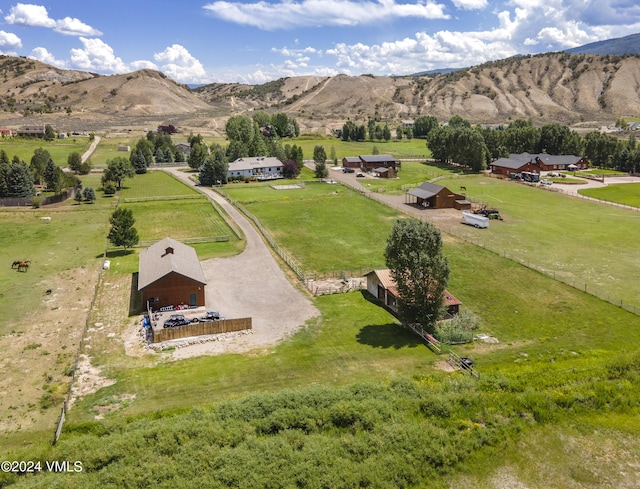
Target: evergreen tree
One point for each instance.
(78, 196)
(215, 168)
(138, 161)
(5, 167)
(19, 180)
(89, 194)
(122, 232)
(52, 176)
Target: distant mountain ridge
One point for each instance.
(552, 87)
(621, 45)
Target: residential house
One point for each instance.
(259, 167)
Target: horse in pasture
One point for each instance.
(15, 264)
(24, 265)
(463, 188)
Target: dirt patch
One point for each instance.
(39, 353)
(88, 379)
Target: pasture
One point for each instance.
(404, 148)
(59, 149)
(584, 243)
(564, 362)
(324, 227)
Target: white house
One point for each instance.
(260, 167)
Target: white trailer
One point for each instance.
(475, 220)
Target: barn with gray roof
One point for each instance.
(170, 272)
(436, 197)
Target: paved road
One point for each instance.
(249, 284)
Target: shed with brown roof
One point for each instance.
(170, 272)
(383, 287)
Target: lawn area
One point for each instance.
(165, 207)
(322, 226)
(625, 194)
(405, 148)
(59, 149)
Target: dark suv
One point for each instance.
(210, 316)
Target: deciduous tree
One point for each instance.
(420, 270)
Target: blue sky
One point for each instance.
(254, 41)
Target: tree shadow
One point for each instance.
(390, 335)
(116, 253)
(387, 336)
(135, 301)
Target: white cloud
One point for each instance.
(30, 15)
(37, 16)
(75, 27)
(9, 40)
(291, 14)
(42, 54)
(180, 65)
(97, 56)
(470, 4)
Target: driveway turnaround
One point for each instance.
(250, 284)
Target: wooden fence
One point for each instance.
(456, 361)
(202, 328)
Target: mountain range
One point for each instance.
(588, 86)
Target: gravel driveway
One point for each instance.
(250, 284)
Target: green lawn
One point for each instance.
(626, 193)
(324, 227)
(59, 149)
(405, 148)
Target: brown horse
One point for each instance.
(15, 264)
(24, 266)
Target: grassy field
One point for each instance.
(412, 174)
(564, 363)
(626, 194)
(59, 149)
(326, 213)
(581, 242)
(108, 148)
(405, 148)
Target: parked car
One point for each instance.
(546, 182)
(360, 175)
(176, 320)
(210, 316)
(348, 170)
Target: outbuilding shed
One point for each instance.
(436, 197)
(170, 274)
(383, 287)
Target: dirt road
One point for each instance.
(249, 284)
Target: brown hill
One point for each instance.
(555, 87)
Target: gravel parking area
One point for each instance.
(250, 284)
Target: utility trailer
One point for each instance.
(475, 220)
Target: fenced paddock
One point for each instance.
(201, 329)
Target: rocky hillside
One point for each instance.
(552, 87)
(559, 87)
